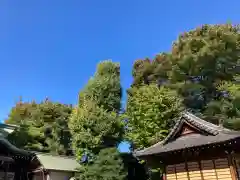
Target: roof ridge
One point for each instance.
(201, 124)
(188, 114)
(208, 125)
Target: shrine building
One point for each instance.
(196, 150)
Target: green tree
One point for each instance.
(154, 71)
(26, 136)
(104, 87)
(107, 166)
(42, 126)
(150, 112)
(95, 123)
(93, 128)
(201, 59)
(55, 117)
(226, 111)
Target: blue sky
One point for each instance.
(51, 48)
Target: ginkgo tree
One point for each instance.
(150, 114)
(96, 126)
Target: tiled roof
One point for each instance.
(212, 134)
(13, 150)
(6, 129)
(58, 163)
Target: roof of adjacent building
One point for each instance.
(58, 163)
(6, 129)
(210, 134)
(12, 150)
(50, 162)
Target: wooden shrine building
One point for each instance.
(16, 164)
(196, 150)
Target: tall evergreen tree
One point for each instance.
(95, 123)
(96, 127)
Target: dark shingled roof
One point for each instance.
(210, 134)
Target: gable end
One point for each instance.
(194, 124)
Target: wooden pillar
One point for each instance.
(186, 167)
(164, 173)
(232, 167)
(214, 166)
(200, 167)
(5, 172)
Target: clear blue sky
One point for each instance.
(51, 47)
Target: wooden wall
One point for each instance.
(217, 169)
